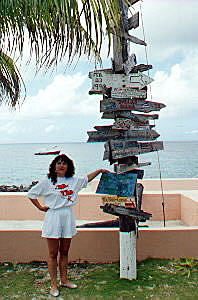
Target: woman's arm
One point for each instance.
(38, 205)
(92, 175)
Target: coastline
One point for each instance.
(91, 188)
(14, 188)
(19, 166)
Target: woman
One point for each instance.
(59, 189)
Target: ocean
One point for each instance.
(19, 165)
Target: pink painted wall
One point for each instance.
(170, 184)
(189, 208)
(19, 207)
(102, 245)
(152, 203)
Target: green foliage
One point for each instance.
(186, 266)
(11, 81)
(53, 31)
(57, 28)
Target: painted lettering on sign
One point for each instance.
(128, 85)
(140, 105)
(125, 92)
(121, 149)
(103, 136)
(122, 168)
(123, 201)
(125, 124)
(117, 184)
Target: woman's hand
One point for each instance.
(44, 208)
(38, 205)
(104, 171)
(92, 175)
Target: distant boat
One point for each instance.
(49, 152)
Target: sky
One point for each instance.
(59, 109)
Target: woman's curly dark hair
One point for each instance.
(70, 167)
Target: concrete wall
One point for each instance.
(189, 208)
(102, 244)
(152, 203)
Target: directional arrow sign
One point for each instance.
(122, 124)
(133, 22)
(125, 124)
(122, 211)
(119, 149)
(103, 128)
(126, 92)
(134, 39)
(138, 119)
(140, 135)
(129, 104)
(141, 68)
(122, 85)
(122, 168)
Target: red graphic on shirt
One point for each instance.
(61, 186)
(64, 191)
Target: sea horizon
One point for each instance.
(19, 165)
(79, 142)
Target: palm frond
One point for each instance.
(57, 28)
(11, 82)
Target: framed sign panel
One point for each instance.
(122, 185)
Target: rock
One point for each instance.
(14, 188)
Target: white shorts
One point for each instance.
(59, 223)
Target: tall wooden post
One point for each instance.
(127, 225)
(120, 43)
(128, 268)
(124, 90)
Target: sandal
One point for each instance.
(69, 285)
(54, 293)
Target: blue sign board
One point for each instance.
(122, 185)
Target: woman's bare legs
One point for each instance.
(53, 247)
(63, 258)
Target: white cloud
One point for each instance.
(192, 132)
(178, 89)
(51, 128)
(60, 105)
(169, 27)
(10, 128)
(66, 95)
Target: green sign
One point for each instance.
(122, 185)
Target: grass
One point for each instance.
(156, 279)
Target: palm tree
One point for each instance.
(10, 81)
(55, 29)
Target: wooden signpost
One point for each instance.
(136, 135)
(124, 90)
(129, 104)
(133, 22)
(123, 168)
(125, 124)
(122, 185)
(122, 85)
(142, 118)
(119, 149)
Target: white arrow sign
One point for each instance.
(122, 85)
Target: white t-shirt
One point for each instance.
(63, 193)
